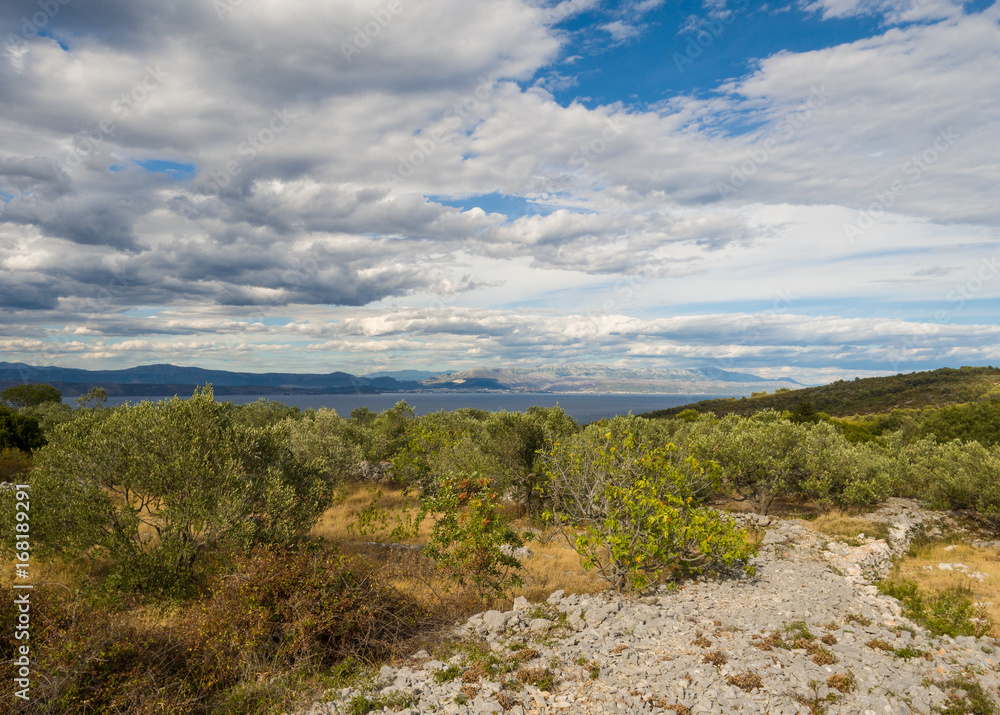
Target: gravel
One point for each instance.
(716, 646)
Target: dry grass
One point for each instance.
(935, 580)
(336, 522)
(847, 527)
(553, 564)
(44, 571)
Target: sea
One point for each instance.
(584, 407)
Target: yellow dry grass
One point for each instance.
(936, 580)
(553, 564)
(845, 526)
(43, 571)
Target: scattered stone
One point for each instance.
(652, 655)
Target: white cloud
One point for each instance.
(452, 99)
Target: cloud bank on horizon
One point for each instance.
(805, 188)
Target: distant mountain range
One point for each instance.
(597, 378)
(153, 380)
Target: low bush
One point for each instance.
(155, 489)
(630, 510)
(280, 618)
(470, 539)
(285, 608)
(950, 612)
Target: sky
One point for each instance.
(799, 188)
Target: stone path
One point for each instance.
(807, 634)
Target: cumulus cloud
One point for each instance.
(202, 170)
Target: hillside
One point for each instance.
(862, 396)
(146, 380)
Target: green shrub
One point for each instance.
(153, 487)
(322, 438)
(761, 457)
(470, 539)
(838, 471)
(630, 510)
(950, 612)
(18, 431)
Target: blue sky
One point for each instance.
(803, 188)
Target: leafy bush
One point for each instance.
(761, 456)
(19, 431)
(838, 471)
(470, 539)
(154, 486)
(29, 395)
(629, 508)
(322, 439)
(281, 615)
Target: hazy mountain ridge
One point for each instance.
(598, 378)
(148, 380)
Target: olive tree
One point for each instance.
(321, 437)
(761, 456)
(29, 395)
(153, 487)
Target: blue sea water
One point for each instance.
(583, 407)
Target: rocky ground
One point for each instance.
(807, 634)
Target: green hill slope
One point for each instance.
(935, 388)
